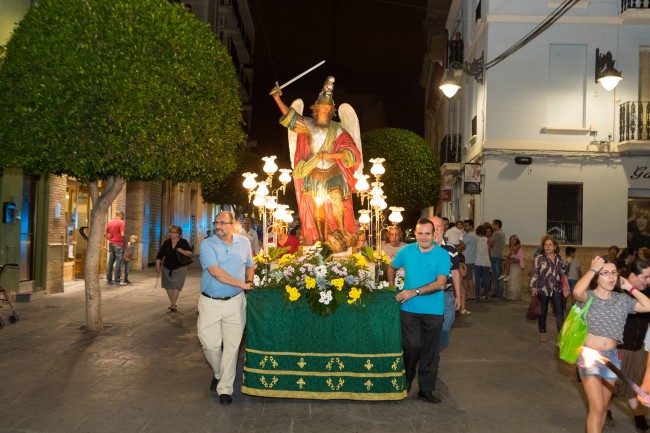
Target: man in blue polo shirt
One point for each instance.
(227, 265)
(422, 306)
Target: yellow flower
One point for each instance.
(260, 258)
(354, 295)
(338, 283)
(361, 262)
(285, 260)
(310, 282)
(293, 292)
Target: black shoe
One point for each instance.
(128, 282)
(429, 397)
(641, 423)
(609, 420)
(213, 384)
(225, 399)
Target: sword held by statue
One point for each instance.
(297, 77)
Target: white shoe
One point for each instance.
(502, 277)
(505, 277)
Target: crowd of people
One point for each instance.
(447, 266)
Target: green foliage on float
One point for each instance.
(412, 178)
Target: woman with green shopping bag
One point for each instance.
(606, 319)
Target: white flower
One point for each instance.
(382, 285)
(320, 271)
(256, 280)
(326, 297)
(399, 279)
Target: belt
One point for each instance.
(218, 299)
(449, 289)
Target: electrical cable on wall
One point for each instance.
(538, 30)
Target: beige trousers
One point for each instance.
(222, 322)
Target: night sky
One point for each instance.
(370, 46)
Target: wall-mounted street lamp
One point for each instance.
(606, 74)
(450, 86)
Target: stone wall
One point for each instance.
(56, 228)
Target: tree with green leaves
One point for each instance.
(412, 178)
(114, 91)
(230, 189)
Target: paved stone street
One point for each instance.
(146, 373)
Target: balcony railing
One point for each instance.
(634, 120)
(634, 4)
(450, 149)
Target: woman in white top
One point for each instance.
(482, 265)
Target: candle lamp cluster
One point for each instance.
(265, 197)
(372, 195)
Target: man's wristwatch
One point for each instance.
(417, 292)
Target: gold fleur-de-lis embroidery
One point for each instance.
(274, 363)
(268, 385)
(263, 361)
(395, 385)
(338, 362)
(395, 364)
(302, 363)
(335, 387)
(368, 385)
(368, 365)
(301, 383)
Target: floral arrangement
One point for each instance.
(319, 279)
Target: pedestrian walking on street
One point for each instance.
(128, 255)
(606, 320)
(422, 307)
(633, 357)
(115, 234)
(173, 271)
(227, 264)
(452, 289)
(545, 282)
(497, 243)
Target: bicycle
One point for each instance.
(7, 298)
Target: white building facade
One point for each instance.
(556, 152)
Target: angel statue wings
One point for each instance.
(324, 156)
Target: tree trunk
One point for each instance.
(100, 205)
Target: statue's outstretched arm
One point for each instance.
(276, 93)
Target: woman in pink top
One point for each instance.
(516, 255)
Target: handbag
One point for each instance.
(534, 309)
(565, 286)
(183, 259)
(573, 333)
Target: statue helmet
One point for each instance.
(325, 96)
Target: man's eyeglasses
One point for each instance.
(172, 231)
(608, 273)
(221, 223)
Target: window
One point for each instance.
(564, 212)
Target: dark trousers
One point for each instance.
(420, 342)
(556, 299)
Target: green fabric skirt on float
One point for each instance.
(353, 354)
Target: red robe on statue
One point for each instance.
(305, 202)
